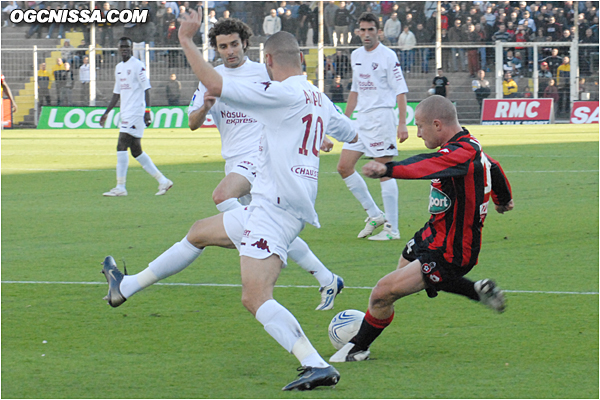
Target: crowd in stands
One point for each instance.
(407, 26)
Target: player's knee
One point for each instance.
(251, 301)
(198, 235)
(345, 170)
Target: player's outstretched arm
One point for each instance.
(190, 24)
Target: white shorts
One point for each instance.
(244, 165)
(376, 133)
(134, 126)
(261, 230)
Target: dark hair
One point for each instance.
(369, 17)
(227, 27)
(125, 38)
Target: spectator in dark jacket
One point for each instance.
(456, 36)
(424, 37)
(337, 90)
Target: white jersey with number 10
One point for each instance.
(295, 117)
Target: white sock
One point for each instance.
(172, 261)
(146, 163)
(285, 329)
(122, 166)
(305, 258)
(229, 204)
(389, 194)
(359, 189)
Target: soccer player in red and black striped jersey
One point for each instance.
(463, 180)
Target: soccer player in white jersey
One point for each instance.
(377, 86)
(295, 118)
(132, 86)
(240, 139)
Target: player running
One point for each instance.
(295, 117)
(463, 179)
(240, 141)
(377, 86)
(132, 86)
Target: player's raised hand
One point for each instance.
(190, 23)
(374, 169)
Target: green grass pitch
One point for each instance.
(61, 340)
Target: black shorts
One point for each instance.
(437, 272)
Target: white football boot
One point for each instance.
(164, 187)
(372, 224)
(386, 233)
(344, 355)
(115, 192)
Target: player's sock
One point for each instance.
(462, 286)
(228, 205)
(122, 166)
(389, 194)
(359, 189)
(146, 163)
(305, 258)
(172, 261)
(370, 329)
(285, 329)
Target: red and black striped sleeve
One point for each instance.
(501, 190)
(450, 161)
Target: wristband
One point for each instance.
(147, 110)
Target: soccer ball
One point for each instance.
(431, 91)
(344, 326)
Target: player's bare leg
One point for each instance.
(357, 185)
(395, 285)
(206, 232)
(227, 192)
(258, 281)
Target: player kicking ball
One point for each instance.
(463, 180)
(295, 117)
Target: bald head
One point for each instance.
(436, 121)
(438, 107)
(284, 49)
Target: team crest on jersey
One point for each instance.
(439, 202)
(374, 65)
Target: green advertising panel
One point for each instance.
(162, 117)
(89, 117)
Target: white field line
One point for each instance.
(278, 286)
(567, 171)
